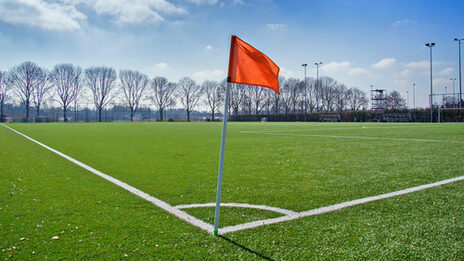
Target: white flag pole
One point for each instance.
(221, 159)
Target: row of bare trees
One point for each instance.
(67, 85)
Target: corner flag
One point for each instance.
(250, 66)
(247, 65)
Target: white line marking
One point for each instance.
(240, 205)
(209, 228)
(335, 207)
(341, 128)
(356, 137)
(176, 212)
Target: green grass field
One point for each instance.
(294, 166)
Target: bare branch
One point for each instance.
(133, 84)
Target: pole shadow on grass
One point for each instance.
(245, 248)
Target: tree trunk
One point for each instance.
(161, 114)
(132, 114)
(1, 111)
(38, 114)
(99, 114)
(212, 115)
(65, 119)
(27, 110)
(76, 116)
(188, 115)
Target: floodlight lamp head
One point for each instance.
(433, 44)
(304, 65)
(427, 44)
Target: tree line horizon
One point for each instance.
(29, 85)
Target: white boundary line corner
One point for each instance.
(288, 214)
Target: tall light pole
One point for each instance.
(430, 45)
(317, 85)
(453, 79)
(305, 86)
(460, 82)
(407, 95)
(414, 95)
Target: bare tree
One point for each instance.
(293, 87)
(100, 80)
(78, 88)
(327, 93)
(245, 99)
(23, 79)
(310, 94)
(65, 78)
(286, 98)
(267, 100)
(163, 95)
(356, 99)
(276, 98)
(4, 89)
(395, 101)
(256, 94)
(341, 97)
(133, 84)
(214, 95)
(189, 94)
(41, 87)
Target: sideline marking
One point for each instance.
(240, 205)
(354, 137)
(163, 205)
(209, 228)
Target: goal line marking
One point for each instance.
(335, 207)
(353, 137)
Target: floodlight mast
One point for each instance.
(430, 45)
(317, 85)
(454, 91)
(460, 80)
(305, 95)
(414, 95)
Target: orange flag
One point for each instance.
(250, 66)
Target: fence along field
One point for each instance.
(297, 173)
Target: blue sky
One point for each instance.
(359, 42)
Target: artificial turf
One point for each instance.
(177, 162)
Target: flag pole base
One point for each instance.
(215, 232)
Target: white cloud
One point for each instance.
(161, 66)
(63, 15)
(135, 11)
(446, 71)
(357, 71)
(42, 14)
(215, 75)
(285, 73)
(335, 67)
(200, 2)
(418, 65)
(276, 27)
(238, 2)
(384, 63)
(405, 72)
(401, 22)
(209, 47)
(401, 82)
(439, 82)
